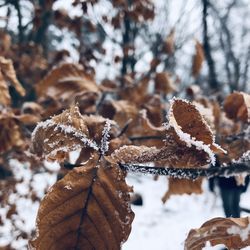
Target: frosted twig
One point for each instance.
(105, 137)
(232, 169)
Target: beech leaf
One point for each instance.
(87, 209)
(237, 106)
(234, 233)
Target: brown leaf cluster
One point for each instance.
(8, 77)
(234, 233)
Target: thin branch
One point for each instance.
(149, 137)
(20, 25)
(233, 169)
(125, 127)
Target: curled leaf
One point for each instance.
(9, 73)
(234, 233)
(88, 209)
(237, 106)
(164, 84)
(191, 128)
(169, 45)
(56, 137)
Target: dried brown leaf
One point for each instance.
(164, 84)
(56, 137)
(178, 187)
(234, 233)
(198, 59)
(88, 209)
(169, 45)
(7, 70)
(191, 127)
(237, 106)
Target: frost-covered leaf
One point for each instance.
(88, 209)
(69, 131)
(5, 98)
(56, 137)
(143, 128)
(191, 128)
(8, 75)
(234, 233)
(237, 106)
(133, 154)
(164, 83)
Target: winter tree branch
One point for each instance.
(232, 169)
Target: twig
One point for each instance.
(189, 173)
(149, 137)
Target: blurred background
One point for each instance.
(118, 57)
(126, 40)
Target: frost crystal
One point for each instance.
(105, 137)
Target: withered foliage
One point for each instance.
(127, 120)
(88, 209)
(234, 233)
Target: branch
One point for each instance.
(213, 82)
(20, 25)
(148, 137)
(189, 173)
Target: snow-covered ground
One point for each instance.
(160, 226)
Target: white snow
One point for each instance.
(243, 233)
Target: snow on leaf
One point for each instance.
(56, 137)
(234, 233)
(191, 128)
(87, 209)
